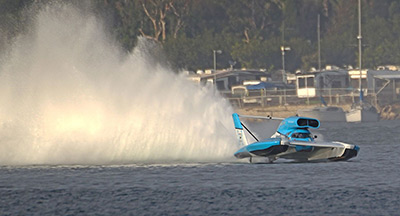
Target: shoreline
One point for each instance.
(279, 111)
(389, 112)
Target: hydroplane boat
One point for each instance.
(292, 140)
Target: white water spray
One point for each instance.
(69, 96)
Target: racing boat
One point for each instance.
(292, 140)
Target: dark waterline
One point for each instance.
(366, 185)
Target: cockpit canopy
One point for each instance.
(300, 135)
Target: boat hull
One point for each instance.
(271, 149)
(362, 115)
(338, 115)
(265, 148)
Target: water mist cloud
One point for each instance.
(70, 96)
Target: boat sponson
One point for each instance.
(264, 148)
(273, 150)
(348, 153)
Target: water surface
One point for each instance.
(366, 185)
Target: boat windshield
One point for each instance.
(301, 135)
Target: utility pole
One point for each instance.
(359, 37)
(283, 49)
(319, 43)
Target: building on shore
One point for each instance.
(225, 79)
(384, 84)
(336, 85)
(315, 83)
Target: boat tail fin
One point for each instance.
(241, 136)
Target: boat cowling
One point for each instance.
(294, 122)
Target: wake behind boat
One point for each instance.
(292, 140)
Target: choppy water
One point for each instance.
(366, 185)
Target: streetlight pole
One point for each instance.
(319, 44)
(215, 52)
(283, 49)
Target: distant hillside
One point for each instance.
(249, 32)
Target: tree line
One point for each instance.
(249, 32)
